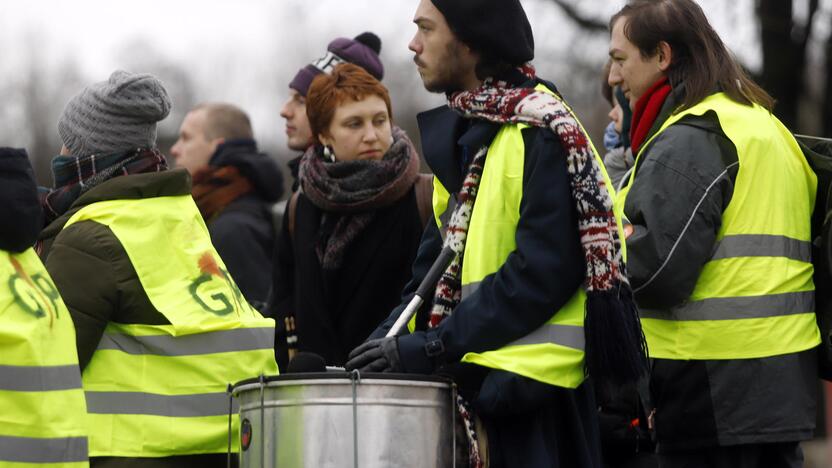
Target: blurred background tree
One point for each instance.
(796, 59)
(248, 53)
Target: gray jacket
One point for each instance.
(619, 161)
(684, 181)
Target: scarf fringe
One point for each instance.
(616, 349)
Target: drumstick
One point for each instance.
(425, 288)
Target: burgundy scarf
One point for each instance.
(215, 187)
(646, 111)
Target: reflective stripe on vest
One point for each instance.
(173, 406)
(225, 341)
(754, 298)
(553, 353)
(68, 451)
(159, 390)
(39, 378)
(43, 408)
(736, 308)
(762, 245)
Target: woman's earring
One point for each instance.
(328, 153)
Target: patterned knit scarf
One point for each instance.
(74, 176)
(616, 351)
(215, 187)
(350, 192)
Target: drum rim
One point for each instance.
(341, 375)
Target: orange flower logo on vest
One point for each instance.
(35, 295)
(213, 289)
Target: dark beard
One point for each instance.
(449, 78)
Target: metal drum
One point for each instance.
(341, 420)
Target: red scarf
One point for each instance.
(646, 111)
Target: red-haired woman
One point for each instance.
(351, 233)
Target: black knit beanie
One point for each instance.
(496, 27)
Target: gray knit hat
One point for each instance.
(119, 114)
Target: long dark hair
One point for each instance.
(700, 59)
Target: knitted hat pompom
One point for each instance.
(362, 50)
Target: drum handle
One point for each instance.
(355, 379)
(262, 420)
(425, 289)
(453, 423)
(230, 410)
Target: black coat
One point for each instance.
(336, 310)
(20, 211)
(529, 423)
(243, 232)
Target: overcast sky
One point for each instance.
(247, 51)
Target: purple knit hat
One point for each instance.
(363, 51)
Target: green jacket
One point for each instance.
(99, 284)
(91, 268)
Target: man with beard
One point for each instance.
(234, 186)
(519, 190)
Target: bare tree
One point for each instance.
(827, 106)
(585, 22)
(39, 94)
(785, 48)
(784, 54)
(142, 57)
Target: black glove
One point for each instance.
(379, 355)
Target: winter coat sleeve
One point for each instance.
(680, 191)
(20, 211)
(618, 162)
(537, 278)
(282, 300)
(86, 262)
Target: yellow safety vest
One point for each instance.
(755, 297)
(160, 390)
(554, 353)
(42, 408)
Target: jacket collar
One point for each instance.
(446, 135)
(173, 182)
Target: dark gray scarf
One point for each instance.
(350, 192)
